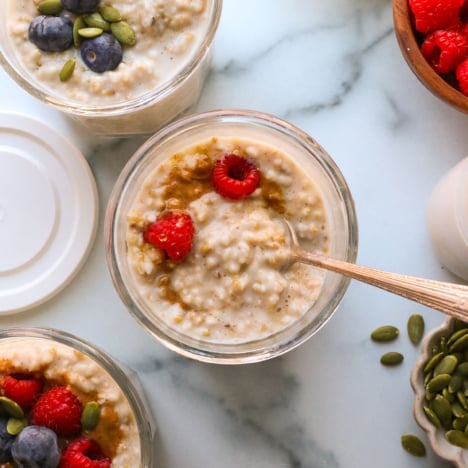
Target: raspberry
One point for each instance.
(24, 390)
(430, 15)
(173, 232)
(235, 177)
(444, 50)
(84, 453)
(462, 76)
(58, 409)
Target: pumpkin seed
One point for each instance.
(460, 423)
(123, 32)
(446, 366)
(458, 438)
(385, 333)
(392, 358)
(462, 400)
(16, 425)
(433, 361)
(67, 70)
(456, 383)
(110, 14)
(463, 369)
(432, 417)
(415, 328)
(437, 383)
(443, 345)
(90, 33)
(459, 345)
(90, 416)
(442, 408)
(458, 334)
(95, 20)
(413, 445)
(11, 407)
(50, 7)
(457, 410)
(447, 395)
(77, 25)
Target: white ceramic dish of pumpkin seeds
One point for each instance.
(436, 436)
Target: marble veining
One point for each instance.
(334, 69)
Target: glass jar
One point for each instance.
(129, 112)
(57, 357)
(265, 129)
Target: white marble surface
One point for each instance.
(334, 69)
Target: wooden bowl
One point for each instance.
(410, 49)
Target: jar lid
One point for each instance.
(48, 212)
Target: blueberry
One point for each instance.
(80, 6)
(51, 33)
(36, 447)
(6, 440)
(102, 53)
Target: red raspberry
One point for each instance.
(24, 390)
(235, 177)
(172, 232)
(58, 409)
(84, 453)
(462, 76)
(430, 15)
(444, 50)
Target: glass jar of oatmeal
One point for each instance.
(125, 431)
(158, 78)
(234, 299)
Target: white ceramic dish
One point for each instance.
(441, 447)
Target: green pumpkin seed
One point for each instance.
(67, 70)
(463, 369)
(443, 345)
(90, 33)
(443, 409)
(447, 365)
(110, 14)
(459, 345)
(462, 400)
(433, 418)
(413, 445)
(458, 438)
(124, 33)
(11, 407)
(95, 20)
(415, 328)
(433, 361)
(385, 333)
(392, 358)
(77, 25)
(430, 395)
(460, 423)
(457, 410)
(90, 416)
(456, 383)
(447, 395)
(16, 425)
(437, 383)
(50, 7)
(427, 377)
(456, 335)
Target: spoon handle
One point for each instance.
(449, 298)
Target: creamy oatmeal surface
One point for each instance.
(167, 31)
(57, 364)
(232, 287)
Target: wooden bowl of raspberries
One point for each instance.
(433, 38)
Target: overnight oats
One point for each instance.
(220, 277)
(197, 242)
(60, 406)
(109, 59)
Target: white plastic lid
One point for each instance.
(48, 212)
